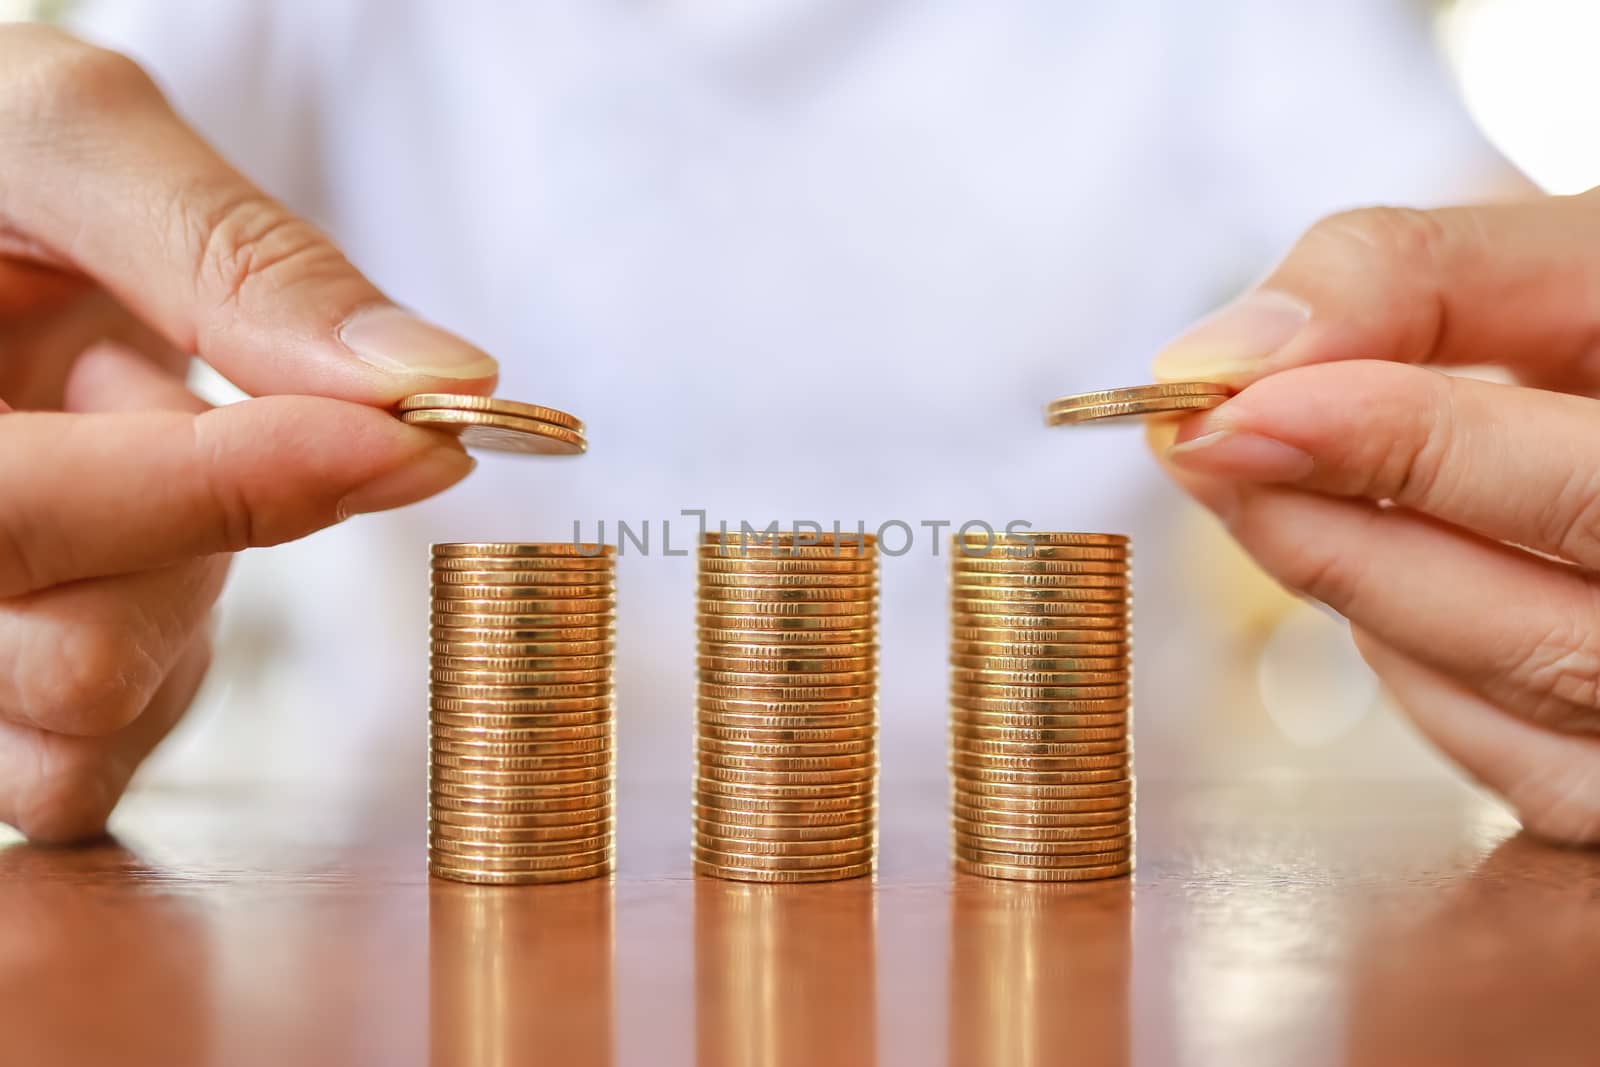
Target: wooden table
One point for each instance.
(1311, 923)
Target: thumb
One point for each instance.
(1510, 284)
(101, 176)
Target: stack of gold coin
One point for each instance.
(786, 707)
(1040, 706)
(522, 719)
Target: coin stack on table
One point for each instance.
(1040, 706)
(522, 717)
(786, 707)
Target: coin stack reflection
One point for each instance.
(521, 770)
(786, 707)
(1040, 705)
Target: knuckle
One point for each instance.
(61, 77)
(247, 241)
(1560, 676)
(223, 499)
(1402, 239)
(98, 681)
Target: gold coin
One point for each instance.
(589, 550)
(1004, 567)
(444, 595)
(1034, 629)
(1036, 874)
(804, 665)
(864, 583)
(481, 877)
(595, 736)
(861, 789)
(964, 651)
(561, 608)
(828, 746)
(736, 608)
(447, 767)
(728, 770)
(491, 404)
(744, 628)
(503, 664)
(793, 693)
(1049, 853)
(566, 832)
(786, 639)
(490, 690)
(476, 810)
(498, 849)
(754, 552)
(778, 768)
(517, 627)
(1013, 582)
(980, 747)
(600, 705)
(804, 594)
(1029, 714)
(550, 570)
(819, 861)
(972, 776)
(964, 761)
(1095, 858)
(492, 636)
(751, 544)
(980, 640)
(529, 822)
(747, 874)
(519, 573)
(526, 650)
(1103, 796)
(744, 806)
(713, 823)
(546, 583)
(1031, 611)
(1034, 664)
(1162, 399)
(1018, 552)
(768, 653)
(714, 723)
(1074, 693)
(501, 433)
(764, 849)
(484, 760)
(1029, 835)
(463, 859)
(736, 711)
(969, 731)
(1018, 821)
(1099, 784)
(776, 679)
(754, 569)
(1038, 539)
(557, 676)
(556, 753)
(980, 676)
(962, 591)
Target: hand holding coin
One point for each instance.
(1400, 495)
(120, 493)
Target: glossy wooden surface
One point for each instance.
(1305, 924)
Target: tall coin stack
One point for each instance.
(786, 707)
(1040, 705)
(522, 719)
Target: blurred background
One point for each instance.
(826, 259)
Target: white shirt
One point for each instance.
(816, 259)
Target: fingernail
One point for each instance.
(433, 472)
(392, 339)
(1232, 343)
(1247, 457)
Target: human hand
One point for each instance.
(1358, 474)
(125, 239)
